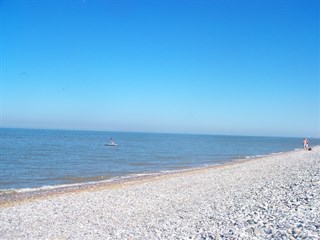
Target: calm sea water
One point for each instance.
(36, 158)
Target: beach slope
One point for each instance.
(277, 196)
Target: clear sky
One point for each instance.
(210, 67)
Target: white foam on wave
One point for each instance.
(120, 178)
(35, 189)
(256, 156)
(115, 179)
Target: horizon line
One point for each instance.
(155, 132)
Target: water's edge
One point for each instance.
(11, 196)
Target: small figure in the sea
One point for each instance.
(306, 144)
(112, 143)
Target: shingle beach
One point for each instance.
(272, 197)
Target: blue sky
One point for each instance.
(210, 67)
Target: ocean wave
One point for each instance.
(96, 180)
(116, 179)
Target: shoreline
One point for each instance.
(10, 197)
(13, 197)
(276, 196)
(122, 178)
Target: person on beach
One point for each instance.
(306, 144)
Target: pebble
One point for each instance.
(273, 197)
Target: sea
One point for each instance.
(33, 159)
